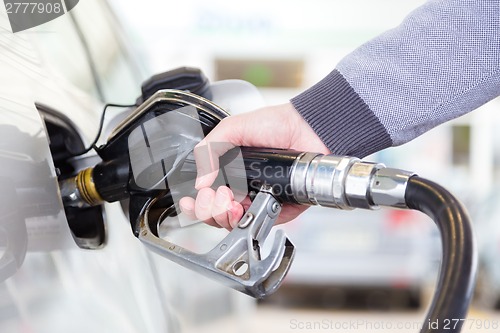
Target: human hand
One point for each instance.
(279, 126)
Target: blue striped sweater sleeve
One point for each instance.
(441, 62)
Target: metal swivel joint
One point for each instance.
(347, 182)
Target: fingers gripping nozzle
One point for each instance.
(236, 260)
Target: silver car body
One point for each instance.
(48, 283)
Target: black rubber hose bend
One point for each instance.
(454, 290)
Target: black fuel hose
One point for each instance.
(454, 290)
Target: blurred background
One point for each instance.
(358, 266)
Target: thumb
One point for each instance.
(207, 155)
(225, 136)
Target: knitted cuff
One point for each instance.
(341, 118)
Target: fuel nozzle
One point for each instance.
(149, 159)
(80, 191)
(105, 182)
